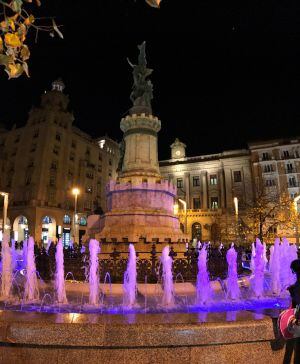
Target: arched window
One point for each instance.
(182, 227)
(67, 219)
(23, 220)
(82, 221)
(197, 231)
(47, 220)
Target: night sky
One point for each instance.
(225, 72)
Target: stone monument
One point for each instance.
(140, 202)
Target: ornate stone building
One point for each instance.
(41, 162)
(207, 185)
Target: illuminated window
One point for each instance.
(213, 179)
(101, 143)
(179, 183)
(47, 220)
(196, 181)
(214, 203)
(83, 221)
(196, 203)
(67, 220)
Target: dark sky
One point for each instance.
(225, 72)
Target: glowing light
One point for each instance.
(16, 235)
(59, 229)
(236, 205)
(176, 208)
(75, 191)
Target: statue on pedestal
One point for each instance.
(142, 89)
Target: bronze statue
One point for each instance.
(142, 89)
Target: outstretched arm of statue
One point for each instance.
(130, 64)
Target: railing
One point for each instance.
(148, 264)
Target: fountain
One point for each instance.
(13, 254)
(233, 290)
(130, 285)
(274, 268)
(31, 292)
(7, 271)
(204, 292)
(167, 278)
(94, 272)
(59, 274)
(24, 254)
(257, 282)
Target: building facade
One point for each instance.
(206, 188)
(43, 161)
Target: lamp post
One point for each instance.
(296, 199)
(236, 210)
(5, 206)
(75, 192)
(185, 214)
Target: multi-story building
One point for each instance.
(207, 186)
(43, 161)
(276, 165)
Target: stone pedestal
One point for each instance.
(140, 203)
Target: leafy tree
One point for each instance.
(16, 20)
(270, 210)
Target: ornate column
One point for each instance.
(204, 189)
(187, 189)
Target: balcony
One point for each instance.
(293, 185)
(290, 170)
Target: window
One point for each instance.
(14, 152)
(179, 183)
(28, 181)
(35, 134)
(30, 164)
(214, 203)
(82, 221)
(33, 148)
(296, 153)
(52, 181)
(99, 168)
(56, 149)
(237, 176)
(286, 154)
(100, 157)
(289, 167)
(89, 189)
(196, 181)
(67, 220)
(213, 179)
(109, 162)
(265, 156)
(17, 139)
(47, 220)
(292, 182)
(89, 175)
(268, 168)
(53, 165)
(196, 203)
(58, 137)
(73, 145)
(270, 182)
(72, 157)
(87, 151)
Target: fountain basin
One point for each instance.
(160, 338)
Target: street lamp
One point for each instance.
(236, 209)
(5, 206)
(75, 192)
(296, 199)
(185, 214)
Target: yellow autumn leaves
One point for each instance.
(13, 33)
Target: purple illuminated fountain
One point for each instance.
(94, 272)
(31, 292)
(6, 283)
(130, 284)
(233, 289)
(274, 268)
(24, 253)
(59, 274)
(167, 278)
(204, 292)
(257, 282)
